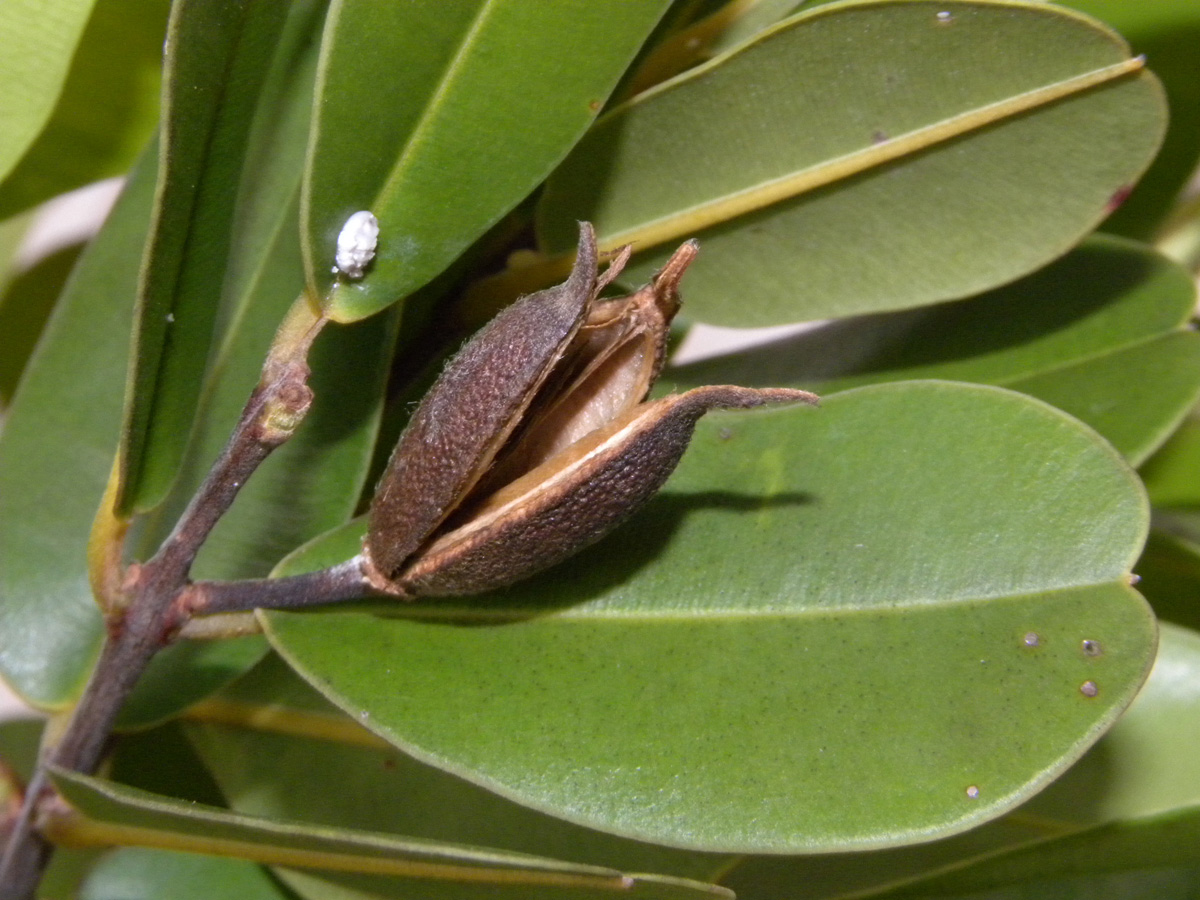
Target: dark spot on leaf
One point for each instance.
(1091, 648)
(1120, 195)
(879, 137)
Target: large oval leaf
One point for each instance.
(1101, 333)
(1145, 791)
(1172, 475)
(829, 630)
(1167, 31)
(1144, 768)
(829, 170)
(296, 756)
(441, 117)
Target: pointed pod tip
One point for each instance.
(585, 253)
(730, 396)
(671, 273)
(789, 395)
(616, 265)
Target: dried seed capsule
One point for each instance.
(536, 441)
(466, 417)
(574, 499)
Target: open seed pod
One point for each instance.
(537, 440)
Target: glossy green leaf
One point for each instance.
(24, 310)
(56, 453)
(441, 117)
(139, 818)
(1134, 397)
(755, 17)
(307, 488)
(1172, 475)
(184, 673)
(107, 109)
(1143, 767)
(1168, 32)
(892, 185)
(220, 58)
(313, 482)
(820, 630)
(137, 874)
(302, 759)
(1092, 863)
(161, 760)
(12, 235)
(1170, 573)
(1098, 333)
(46, 33)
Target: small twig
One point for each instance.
(337, 584)
(145, 614)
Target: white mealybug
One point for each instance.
(356, 244)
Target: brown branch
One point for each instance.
(148, 615)
(337, 584)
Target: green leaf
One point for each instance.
(107, 109)
(1134, 397)
(24, 309)
(302, 759)
(1167, 32)
(828, 172)
(753, 19)
(482, 100)
(56, 453)
(1090, 863)
(307, 488)
(347, 886)
(215, 72)
(1172, 475)
(1170, 573)
(41, 36)
(137, 874)
(110, 811)
(1098, 333)
(1143, 767)
(161, 760)
(185, 672)
(821, 629)
(313, 482)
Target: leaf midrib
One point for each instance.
(785, 187)
(520, 615)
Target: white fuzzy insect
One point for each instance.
(356, 244)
